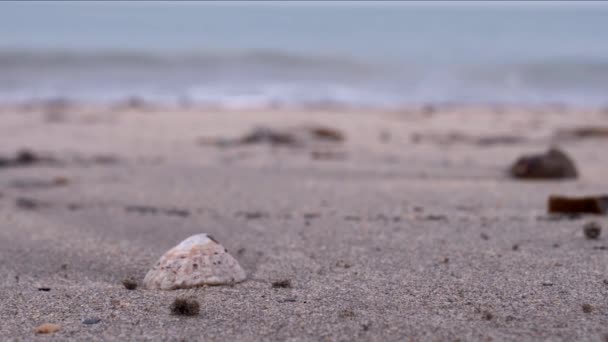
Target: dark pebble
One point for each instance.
(592, 230)
(587, 308)
(45, 289)
(91, 320)
(129, 284)
(284, 283)
(185, 307)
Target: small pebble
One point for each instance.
(47, 328)
(185, 307)
(129, 284)
(284, 283)
(91, 320)
(487, 315)
(45, 289)
(592, 230)
(587, 308)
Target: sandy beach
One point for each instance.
(408, 230)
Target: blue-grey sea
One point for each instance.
(375, 54)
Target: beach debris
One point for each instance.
(462, 138)
(196, 261)
(44, 289)
(27, 184)
(554, 164)
(91, 320)
(587, 308)
(327, 155)
(283, 283)
(23, 157)
(585, 132)
(47, 328)
(28, 203)
(185, 307)
(592, 230)
(129, 284)
(578, 205)
(290, 137)
(144, 210)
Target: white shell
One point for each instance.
(198, 260)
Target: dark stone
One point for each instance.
(129, 284)
(592, 230)
(185, 307)
(284, 283)
(91, 320)
(587, 308)
(554, 164)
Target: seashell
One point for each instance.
(196, 261)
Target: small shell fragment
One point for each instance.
(47, 328)
(198, 260)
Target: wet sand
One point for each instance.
(409, 229)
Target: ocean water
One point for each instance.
(241, 54)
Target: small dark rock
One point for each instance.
(484, 236)
(587, 308)
(27, 203)
(554, 164)
(284, 283)
(91, 320)
(45, 289)
(547, 284)
(592, 230)
(515, 247)
(26, 157)
(605, 281)
(129, 284)
(185, 307)
(487, 315)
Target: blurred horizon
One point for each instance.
(379, 54)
